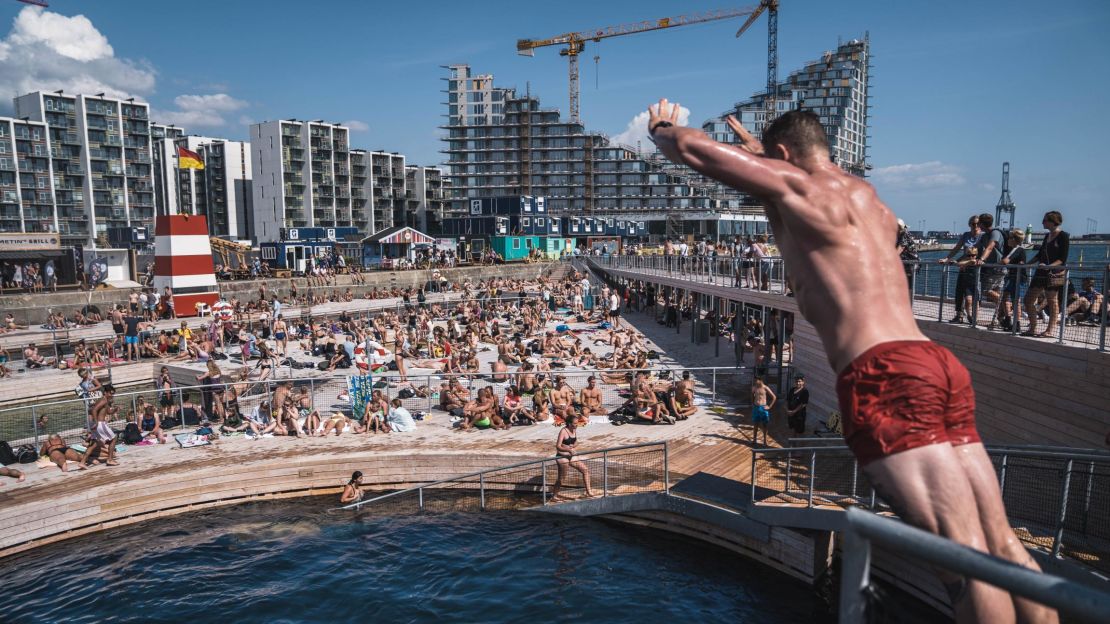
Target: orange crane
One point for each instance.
(575, 42)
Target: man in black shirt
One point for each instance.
(132, 323)
(796, 401)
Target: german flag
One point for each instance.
(188, 160)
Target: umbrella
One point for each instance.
(222, 310)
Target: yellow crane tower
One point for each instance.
(575, 42)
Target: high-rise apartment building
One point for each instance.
(834, 87)
(26, 185)
(221, 191)
(101, 147)
(424, 194)
(301, 177)
(501, 144)
(163, 164)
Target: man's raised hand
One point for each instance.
(663, 112)
(748, 142)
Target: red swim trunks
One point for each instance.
(901, 395)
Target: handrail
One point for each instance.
(1013, 451)
(480, 473)
(864, 527)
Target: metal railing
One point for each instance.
(69, 418)
(628, 469)
(1059, 496)
(994, 296)
(864, 528)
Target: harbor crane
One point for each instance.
(1004, 211)
(575, 42)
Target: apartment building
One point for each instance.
(100, 147)
(26, 183)
(501, 144)
(300, 177)
(834, 87)
(221, 191)
(426, 202)
(163, 163)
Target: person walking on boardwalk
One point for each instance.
(908, 404)
(565, 444)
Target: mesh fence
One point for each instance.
(623, 470)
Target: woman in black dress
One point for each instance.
(1049, 278)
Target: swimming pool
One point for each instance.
(289, 561)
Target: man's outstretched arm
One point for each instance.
(744, 169)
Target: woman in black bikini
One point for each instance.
(564, 453)
(56, 451)
(266, 362)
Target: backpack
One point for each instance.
(406, 393)
(26, 454)
(131, 434)
(6, 454)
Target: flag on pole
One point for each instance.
(188, 160)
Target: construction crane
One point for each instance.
(772, 8)
(575, 42)
(1005, 207)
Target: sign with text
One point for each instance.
(29, 242)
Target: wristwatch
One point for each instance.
(658, 125)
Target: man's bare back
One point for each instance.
(908, 404)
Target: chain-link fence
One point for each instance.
(618, 470)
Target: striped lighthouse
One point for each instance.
(183, 261)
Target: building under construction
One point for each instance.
(500, 143)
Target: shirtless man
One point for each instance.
(684, 397)
(838, 241)
(761, 408)
(101, 435)
(590, 398)
(561, 398)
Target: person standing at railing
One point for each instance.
(965, 279)
(1051, 276)
(565, 445)
(1012, 254)
(907, 251)
(908, 404)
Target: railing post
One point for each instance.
(789, 466)
(943, 292)
(1015, 307)
(855, 476)
(543, 481)
(976, 294)
(715, 382)
(420, 498)
(1087, 496)
(605, 474)
(812, 477)
(855, 576)
(1058, 540)
(666, 468)
(35, 426)
(482, 490)
(1002, 476)
(755, 453)
(1063, 311)
(1102, 315)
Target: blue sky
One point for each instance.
(958, 87)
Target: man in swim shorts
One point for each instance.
(761, 408)
(908, 404)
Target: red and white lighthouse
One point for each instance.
(183, 261)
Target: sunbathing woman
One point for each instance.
(56, 451)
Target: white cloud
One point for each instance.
(356, 125)
(205, 111)
(49, 51)
(932, 174)
(637, 130)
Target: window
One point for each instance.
(516, 243)
(539, 222)
(527, 222)
(269, 253)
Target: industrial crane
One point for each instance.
(575, 42)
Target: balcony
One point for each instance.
(139, 158)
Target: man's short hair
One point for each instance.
(800, 131)
(986, 220)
